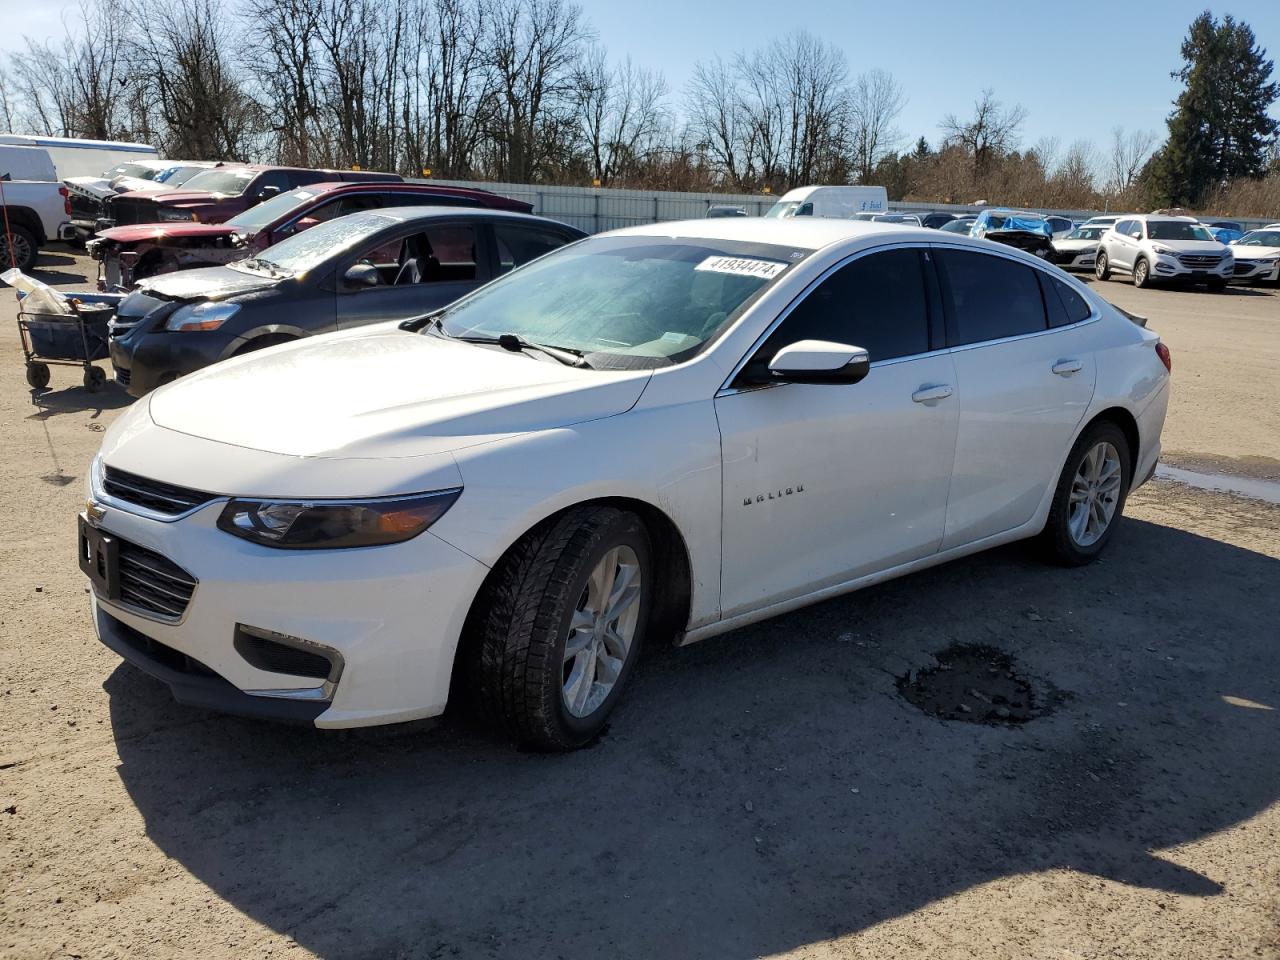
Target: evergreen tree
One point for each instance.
(1219, 128)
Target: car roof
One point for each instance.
(426, 211)
(806, 232)
(399, 186)
(1163, 218)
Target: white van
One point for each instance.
(839, 202)
(81, 158)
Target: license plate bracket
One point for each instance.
(100, 559)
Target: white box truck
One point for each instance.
(839, 202)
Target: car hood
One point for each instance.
(1193, 246)
(1079, 244)
(177, 197)
(156, 231)
(97, 187)
(382, 392)
(1255, 253)
(204, 283)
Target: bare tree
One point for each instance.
(532, 48)
(992, 130)
(716, 120)
(457, 86)
(281, 54)
(620, 113)
(1129, 151)
(876, 101)
(1046, 152)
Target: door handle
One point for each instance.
(1065, 368)
(931, 393)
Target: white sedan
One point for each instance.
(1077, 250)
(660, 433)
(1257, 257)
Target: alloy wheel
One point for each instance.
(1095, 494)
(18, 253)
(601, 631)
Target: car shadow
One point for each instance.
(51, 402)
(763, 790)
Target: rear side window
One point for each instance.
(1063, 304)
(991, 297)
(518, 244)
(877, 302)
(1124, 226)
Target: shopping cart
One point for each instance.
(73, 339)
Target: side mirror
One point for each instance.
(361, 275)
(819, 361)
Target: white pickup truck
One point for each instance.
(35, 206)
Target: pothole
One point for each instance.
(975, 683)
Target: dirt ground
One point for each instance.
(767, 793)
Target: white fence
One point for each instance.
(595, 209)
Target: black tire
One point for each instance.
(1141, 273)
(516, 653)
(25, 250)
(1217, 285)
(38, 375)
(94, 379)
(1056, 539)
(1102, 266)
(262, 343)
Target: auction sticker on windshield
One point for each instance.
(743, 266)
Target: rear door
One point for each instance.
(1123, 249)
(1023, 385)
(422, 267)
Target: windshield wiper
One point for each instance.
(516, 343)
(265, 266)
(414, 324)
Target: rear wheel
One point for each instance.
(560, 626)
(1141, 273)
(1090, 496)
(1102, 266)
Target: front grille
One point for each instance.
(1199, 260)
(120, 327)
(126, 212)
(165, 498)
(153, 583)
(123, 376)
(85, 207)
(158, 652)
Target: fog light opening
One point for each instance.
(280, 653)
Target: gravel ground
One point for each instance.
(770, 792)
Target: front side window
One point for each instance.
(991, 297)
(877, 302)
(441, 253)
(518, 244)
(625, 302)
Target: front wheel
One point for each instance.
(1102, 266)
(1090, 496)
(560, 626)
(1141, 274)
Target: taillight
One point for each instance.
(66, 200)
(1165, 357)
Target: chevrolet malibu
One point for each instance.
(658, 434)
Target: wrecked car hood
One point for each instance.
(205, 283)
(156, 231)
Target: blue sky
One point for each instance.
(1101, 64)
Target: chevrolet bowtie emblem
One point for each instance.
(93, 511)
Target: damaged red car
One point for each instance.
(128, 254)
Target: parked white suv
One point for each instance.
(1150, 247)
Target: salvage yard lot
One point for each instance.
(767, 792)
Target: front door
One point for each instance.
(418, 271)
(826, 483)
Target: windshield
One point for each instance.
(1016, 221)
(176, 176)
(142, 171)
(1087, 233)
(958, 226)
(790, 208)
(1177, 230)
(1260, 238)
(269, 211)
(307, 250)
(624, 302)
(232, 183)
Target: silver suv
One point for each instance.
(1151, 248)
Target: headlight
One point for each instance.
(330, 524)
(1162, 251)
(173, 213)
(201, 316)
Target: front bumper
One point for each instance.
(1250, 271)
(394, 615)
(1172, 268)
(144, 360)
